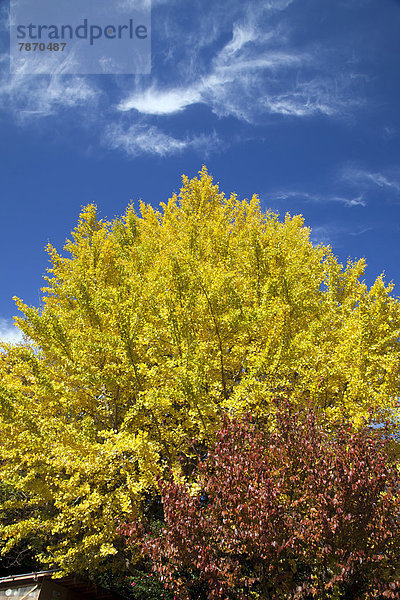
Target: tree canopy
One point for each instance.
(154, 326)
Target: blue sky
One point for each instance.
(297, 101)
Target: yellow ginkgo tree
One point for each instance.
(152, 327)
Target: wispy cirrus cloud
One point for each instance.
(141, 139)
(361, 230)
(322, 234)
(349, 202)
(262, 69)
(28, 96)
(330, 234)
(255, 73)
(241, 60)
(359, 177)
(205, 89)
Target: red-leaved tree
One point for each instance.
(295, 512)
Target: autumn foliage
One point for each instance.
(294, 512)
(151, 328)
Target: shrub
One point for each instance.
(294, 511)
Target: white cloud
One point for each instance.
(157, 102)
(257, 72)
(322, 234)
(296, 105)
(242, 35)
(234, 75)
(278, 4)
(9, 333)
(382, 181)
(126, 5)
(329, 234)
(361, 230)
(35, 95)
(320, 198)
(318, 95)
(26, 94)
(350, 202)
(140, 139)
(371, 179)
